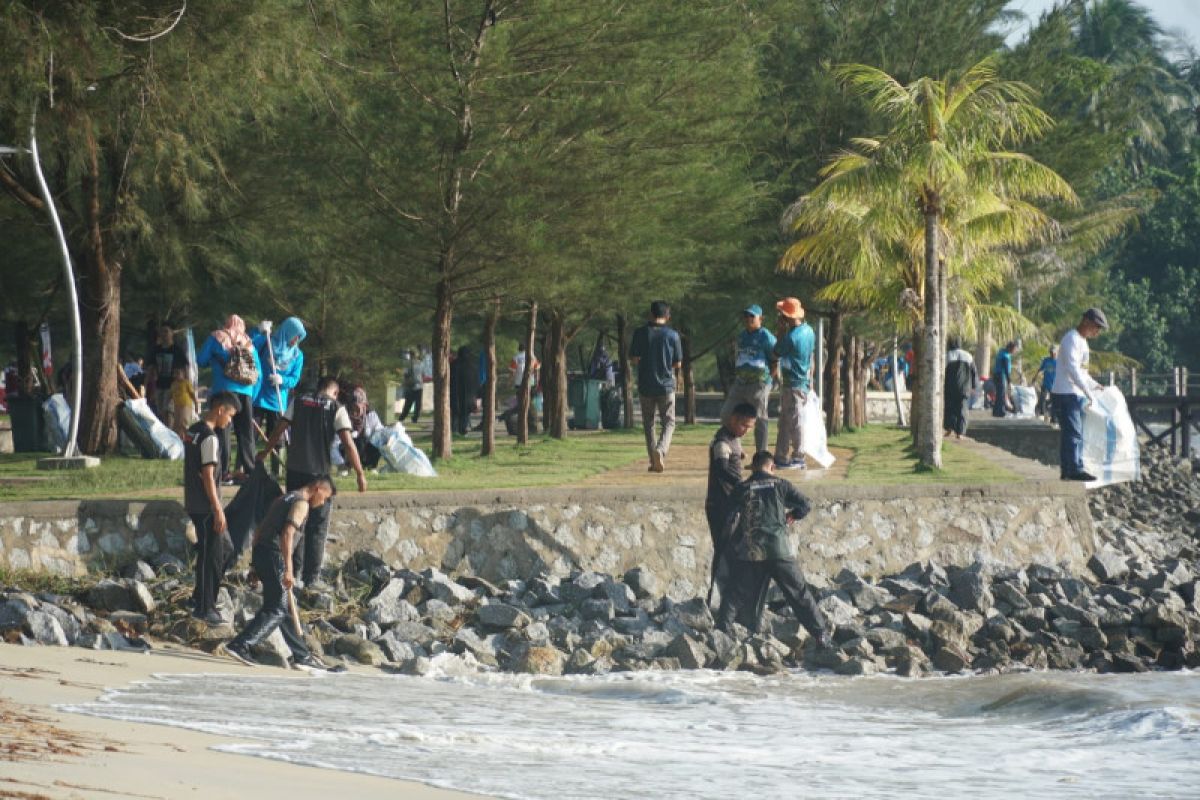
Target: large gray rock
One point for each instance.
(414, 632)
(643, 582)
(620, 595)
(396, 650)
(111, 595)
(444, 588)
(502, 616)
(691, 653)
(969, 590)
(599, 610)
(581, 588)
(1006, 592)
(45, 629)
(1108, 565)
(838, 611)
(143, 600)
(694, 614)
(358, 648)
(138, 570)
(539, 660)
(951, 658)
(388, 606)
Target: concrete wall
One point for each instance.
(1027, 438)
(503, 534)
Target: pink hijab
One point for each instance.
(233, 334)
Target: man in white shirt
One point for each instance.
(1072, 390)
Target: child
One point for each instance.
(183, 402)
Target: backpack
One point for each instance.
(240, 367)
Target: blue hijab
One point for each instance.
(284, 353)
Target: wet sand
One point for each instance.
(47, 753)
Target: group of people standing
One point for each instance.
(761, 360)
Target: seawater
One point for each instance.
(708, 735)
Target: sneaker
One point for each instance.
(227, 479)
(798, 463)
(241, 653)
(309, 661)
(1081, 476)
(317, 585)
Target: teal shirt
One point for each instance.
(755, 350)
(795, 351)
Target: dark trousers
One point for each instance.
(955, 416)
(747, 593)
(309, 553)
(412, 402)
(213, 553)
(1069, 408)
(1000, 407)
(243, 429)
(268, 564)
(269, 420)
(720, 566)
(461, 405)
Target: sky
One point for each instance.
(1170, 14)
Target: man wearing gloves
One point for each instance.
(1072, 391)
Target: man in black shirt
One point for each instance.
(202, 501)
(273, 539)
(657, 353)
(315, 419)
(761, 551)
(724, 476)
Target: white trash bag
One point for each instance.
(812, 432)
(399, 453)
(1024, 401)
(58, 421)
(169, 445)
(1110, 443)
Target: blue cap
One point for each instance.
(753, 310)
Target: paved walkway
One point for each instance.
(688, 466)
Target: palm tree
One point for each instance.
(936, 206)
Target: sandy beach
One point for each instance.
(47, 753)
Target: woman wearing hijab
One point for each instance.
(236, 369)
(282, 373)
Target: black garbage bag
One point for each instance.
(249, 507)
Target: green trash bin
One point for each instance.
(28, 425)
(584, 396)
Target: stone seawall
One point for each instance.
(502, 534)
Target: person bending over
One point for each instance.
(273, 542)
(761, 551)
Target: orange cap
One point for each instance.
(790, 307)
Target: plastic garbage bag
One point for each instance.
(812, 432)
(1110, 443)
(1024, 401)
(399, 453)
(58, 421)
(166, 442)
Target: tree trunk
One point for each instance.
(849, 370)
(689, 382)
(101, 318)
(901, 417)
(525, 395)
(555, 391)
(929, 442)
(488, 446)
(443, 317)
(864, 375)
(983, 350)
(833, 375)
(626, 378)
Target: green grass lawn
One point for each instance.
(881, 455)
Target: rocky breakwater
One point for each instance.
(1135, 608)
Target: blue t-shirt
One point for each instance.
(795, 351)
(1048, 368)
(1003, 366)
(658, 349)
(755, 349)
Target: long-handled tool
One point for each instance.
(295, 613)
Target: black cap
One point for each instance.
(1097, 316)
